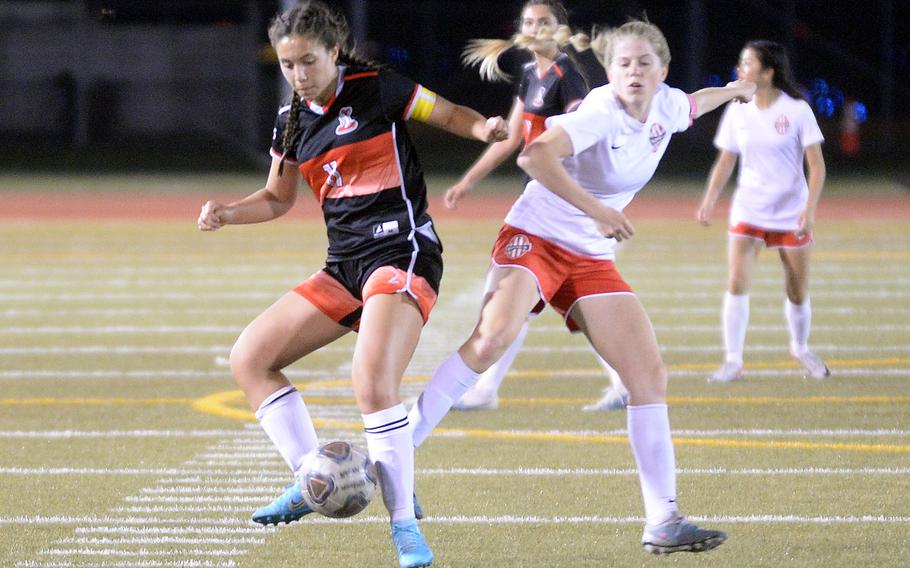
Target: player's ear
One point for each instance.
(663, 73)
(333, 54)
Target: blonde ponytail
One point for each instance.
(486, 52)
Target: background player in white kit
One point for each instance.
(773, 205)
(550, 84)
(557, 245)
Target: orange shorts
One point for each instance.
(340, 289)
(772, 239)
(563, 277)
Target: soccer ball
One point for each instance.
(337, 479)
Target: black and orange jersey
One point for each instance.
(360, 163)
(558, 90)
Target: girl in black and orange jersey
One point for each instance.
(344, 133)
(552, 83)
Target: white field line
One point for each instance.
(203, 530)
(244, 510)
(161, 540)
(151, 374)
(221, 481)
(255, 500)
(718, 269)
(134, 312)
(141, 553)
(864, 293)
(100, 520)
(130, 564)
(212, 329)
(523, 520)
(820, 286)
(225, 349)
(66, 434)
(415, 387)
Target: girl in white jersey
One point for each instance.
(557, 245)
(773, 205)
(550, 84)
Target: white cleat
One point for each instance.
(727, 373)
(814, 366)
(477, 399)
(612, 399)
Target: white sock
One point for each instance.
(799, 320)
(649, 436)
(735, 322)
(615, 379)
(389, 442)
(490, 379)
(450, 381)
(285, 419)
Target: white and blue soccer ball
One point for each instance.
(337, 479)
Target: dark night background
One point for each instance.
(102, 84)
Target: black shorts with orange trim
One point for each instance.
(340, 288)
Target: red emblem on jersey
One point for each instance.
(346, 122)
(518, 246)
(782, 125)
(658, 133)
(538, 100)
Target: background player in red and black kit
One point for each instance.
(344, 133)
(554, 82)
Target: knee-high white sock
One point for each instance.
(285, 419)
(490, 379)
(799, 320)
(735, 322)
(389, 442)
(649, 436)
(615, 379)
(450, 381)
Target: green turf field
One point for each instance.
(124, 443)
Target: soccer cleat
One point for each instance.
(727, 373)
(287, 508)
(418, 510)
(679, 535)
(813, 364)
(612, 399)
(412, 549)
(477, 399)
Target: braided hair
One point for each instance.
(316, 20)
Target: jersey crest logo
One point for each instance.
(538, 100)
(518, 246)
(334, 179)
(658, 133)
(782, 124)
(346, 122)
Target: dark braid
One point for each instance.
(316, 20)
(772, 55)
(290, 129)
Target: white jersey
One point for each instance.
(771, 190)
(615, 155)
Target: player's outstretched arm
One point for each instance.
(492, 157)
(270, 202)
(467, 122)
(710, 98)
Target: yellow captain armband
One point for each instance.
(422, 104)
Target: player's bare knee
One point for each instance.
(487, 348)
(372, 398)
